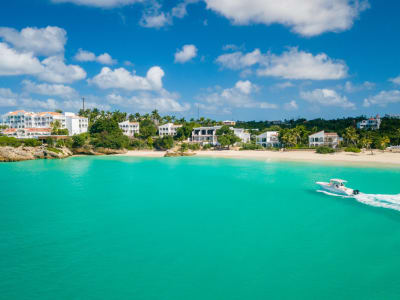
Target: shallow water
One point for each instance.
(195, 228)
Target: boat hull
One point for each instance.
(336, 190)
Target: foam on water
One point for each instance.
(377, 200)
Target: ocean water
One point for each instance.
(196, 228)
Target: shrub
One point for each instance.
(325, 150)
(352, 149)
(250, 146)
(10, 141)
(184, 147)
(164, 143)
(194, 147)
(113, 141)
(79, 140)
(207, 147)
(32, 142)
(55, 150)
(138, 144)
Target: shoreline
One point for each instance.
(383, 159)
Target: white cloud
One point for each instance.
(308, 18)
(327, 97)
(163, 102)
(60, 90)
(180, 10)
(77, 105)
(238, 60)
(383, 98)
(55, 70)
(291, 64)
(295, 64)
(284, 85)
(99, 3)
(157, 20)
(123, 79)
(7, 98)
(239, 96)
(292, 105)
(41, 41)
(395, 80)
(51, 69)
(86, 56)
(187, 53)
(13, 62)
(352, 88)
(49, 104)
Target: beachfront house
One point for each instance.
(168, 129)
(24, 133)
(21, 119)
(129, 128)
(269, 139)
(208, 135)
(322, 138)
(371, 123)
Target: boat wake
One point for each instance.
(377, 200)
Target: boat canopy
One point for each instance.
(338, 180)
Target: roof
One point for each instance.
(49, 113)
(325, 133)
(331, 133)
(131, 123)
(9, 130)
(38, 129)
(16, 112)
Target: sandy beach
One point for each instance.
(378, 158)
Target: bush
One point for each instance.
(10, 141)
(164, 143)
(79, 140)
(138, 144)
(184, 147)
(207, 147)
(194, 146)
(112, 141)
(325, 150)
(352, 149)
(55, 150)
(32, 142)
(250, 146)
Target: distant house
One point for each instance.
(371, 123)
(208, 135)
(205, 135)
(168, 129)
(229, 123)
(269, 139)
(129, 128)
(322, 138)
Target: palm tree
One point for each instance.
(366, 143)
(351, 135)
(383, 142)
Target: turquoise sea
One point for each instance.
(196, 228)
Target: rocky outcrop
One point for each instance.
(178, 153)
(10, 154)
(97, 151)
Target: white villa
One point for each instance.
(322, 138)
(208, 135)
(371, 123)
(129, 128)
(31, 121)
(168, 129)
(269, 139)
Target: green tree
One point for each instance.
(79, 140)
(226, 137)
(164, 143)
(351, 136)
(147, 129)
(106, 125)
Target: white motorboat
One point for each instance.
(337, 186)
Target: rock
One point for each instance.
(11, 154)
(177, 154)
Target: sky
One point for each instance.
(222, 59)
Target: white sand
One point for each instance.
(379, 157)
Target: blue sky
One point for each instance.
(232, 59)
